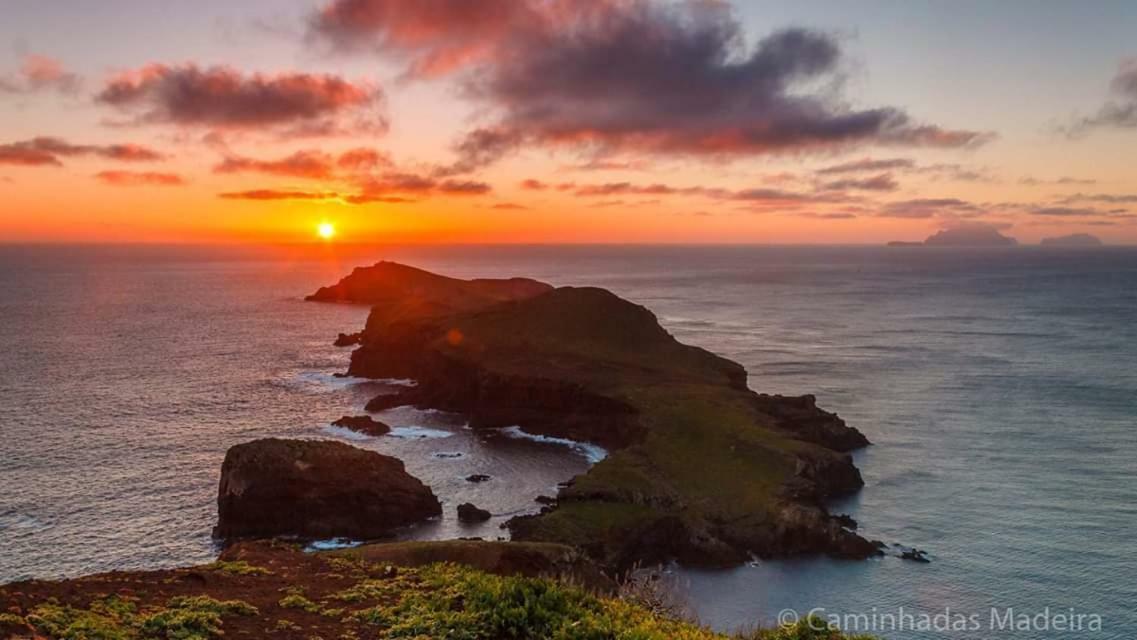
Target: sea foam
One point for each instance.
(593, 453)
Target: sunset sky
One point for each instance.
(565, 121)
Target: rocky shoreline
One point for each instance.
(702, 469)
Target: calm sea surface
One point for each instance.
(999, 388)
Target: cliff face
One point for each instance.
(702, 469)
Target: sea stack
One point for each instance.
(316, 489)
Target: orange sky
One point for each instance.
(482, 122)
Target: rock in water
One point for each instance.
(467, 512)
(348, 339)
(363, 424)
(316, 489)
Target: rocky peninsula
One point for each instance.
(702, 469)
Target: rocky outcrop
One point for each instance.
(468, 512)
(363, 424)
(348, 339)
(316, 489)
(800, 416)
(700, 468)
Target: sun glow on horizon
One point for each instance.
(326, 230)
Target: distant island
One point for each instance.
(1073, 240)
(964, 236)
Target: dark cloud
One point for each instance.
(316, 165)
(137, 178)
(437, 36)
(1120, 109)
(1065, 180)
(627, 76)
(836, 215)
(609, 165)
(309, 104)
(273, 194)
(28, 157)
(763, 197)
(46, 151)
(882, 182)
(1109, 198)
(302, 164)
(509, 206)
(907, 165)
(1067, 212)
(866, 165)
(929, 208)
(363, 159)
(39, 73)
(533, 185)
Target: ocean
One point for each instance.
(999, 388)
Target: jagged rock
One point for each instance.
(801, 416)
(316, 489)
(477, 477)
(915, 555)
(545, 500)
(363, 424)
(467, 512)
(348, 339)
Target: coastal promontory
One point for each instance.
(700, 467)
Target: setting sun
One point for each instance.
(326, 230)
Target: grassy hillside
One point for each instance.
(281, 593)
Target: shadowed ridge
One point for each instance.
(399, 284)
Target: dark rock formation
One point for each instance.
(316, 489)
(970, 236)
(477, 477)
(915, 555)
(467, 512)
(363, 424)
(800, 416)
(424, 292)
(348, 339)
(700, 468)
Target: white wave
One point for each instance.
(415, 433)
(323, 381)
(593, 453)
(345, 433)
(334, 543)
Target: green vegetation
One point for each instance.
(692, 448)
(239, 568)
(116, 618)
(298, 601)
(330, 596)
